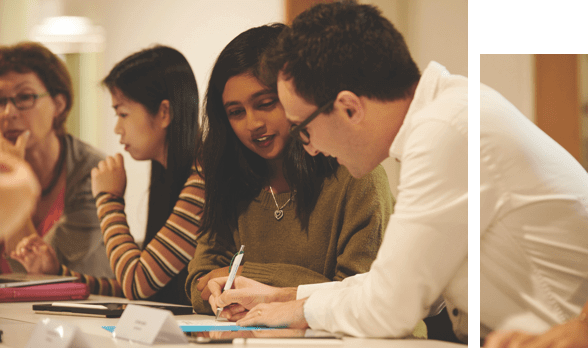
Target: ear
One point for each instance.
(60, 102)
(351, 104)
(164, 114)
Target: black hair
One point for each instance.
(149, 77)
(343, 46)
(233, 172)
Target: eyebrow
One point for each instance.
(23, 84)
(253, 97)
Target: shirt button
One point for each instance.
(455, 312)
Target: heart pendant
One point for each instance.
(279, 214)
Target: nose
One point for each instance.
(311, 150)
(9, 110)
(118, 129)
(254, 122)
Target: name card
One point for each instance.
(149, 325)
(52, 333)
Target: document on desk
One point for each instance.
(207, 325)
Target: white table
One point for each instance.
(18, 321)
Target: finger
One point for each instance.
(119, 160)
(102, 166)
(94, 173)
(234, 309)
(110, 162)
(253, 318)
(203, 282)
(235, 317)
(21, 143)
(234, 312)
(205, 293)
(215, 286)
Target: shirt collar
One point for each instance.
(425, 93)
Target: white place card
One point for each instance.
(148, 326)
(51, 333)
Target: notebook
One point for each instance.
(12, 280)
(46, 292)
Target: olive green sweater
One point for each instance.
(344, 234)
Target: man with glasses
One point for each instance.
(353, 92)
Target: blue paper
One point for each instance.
(208, 328)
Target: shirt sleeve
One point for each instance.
(143, 273)
(424, 246)
(98, 285)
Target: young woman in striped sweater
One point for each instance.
(155, 97)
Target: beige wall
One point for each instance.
(513, 76)
(433, 30)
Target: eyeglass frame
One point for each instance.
(295, 130)
(35, 97)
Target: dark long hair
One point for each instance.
(233, 172)
(149, 77)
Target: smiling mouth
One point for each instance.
(263, 139)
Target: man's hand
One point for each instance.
(247, 294)
(109, 176)
(36, 256)
(572, 334)
(288, 314)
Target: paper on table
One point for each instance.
(215, 325)
(206, 325)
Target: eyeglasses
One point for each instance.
(22, 101)
(300, 132)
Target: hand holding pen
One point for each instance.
(232, 273)
(245, 294)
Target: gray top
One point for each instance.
(76, 237)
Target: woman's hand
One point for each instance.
(36, 256)
(202, 285)
(246, 294)
(109, 176)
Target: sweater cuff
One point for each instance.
(258, 272)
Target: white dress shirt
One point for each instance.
(424, 253)
(534, 223)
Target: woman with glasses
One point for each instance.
(35, 99)
(302, 219)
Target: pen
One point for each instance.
(232, 273)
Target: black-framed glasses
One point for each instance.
(300, 132)
(22, 101)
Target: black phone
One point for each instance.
(102, 309)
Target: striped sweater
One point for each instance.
(141, 274)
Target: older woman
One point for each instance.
(35, 99)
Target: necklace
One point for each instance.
(56, 171)
(279, 213)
